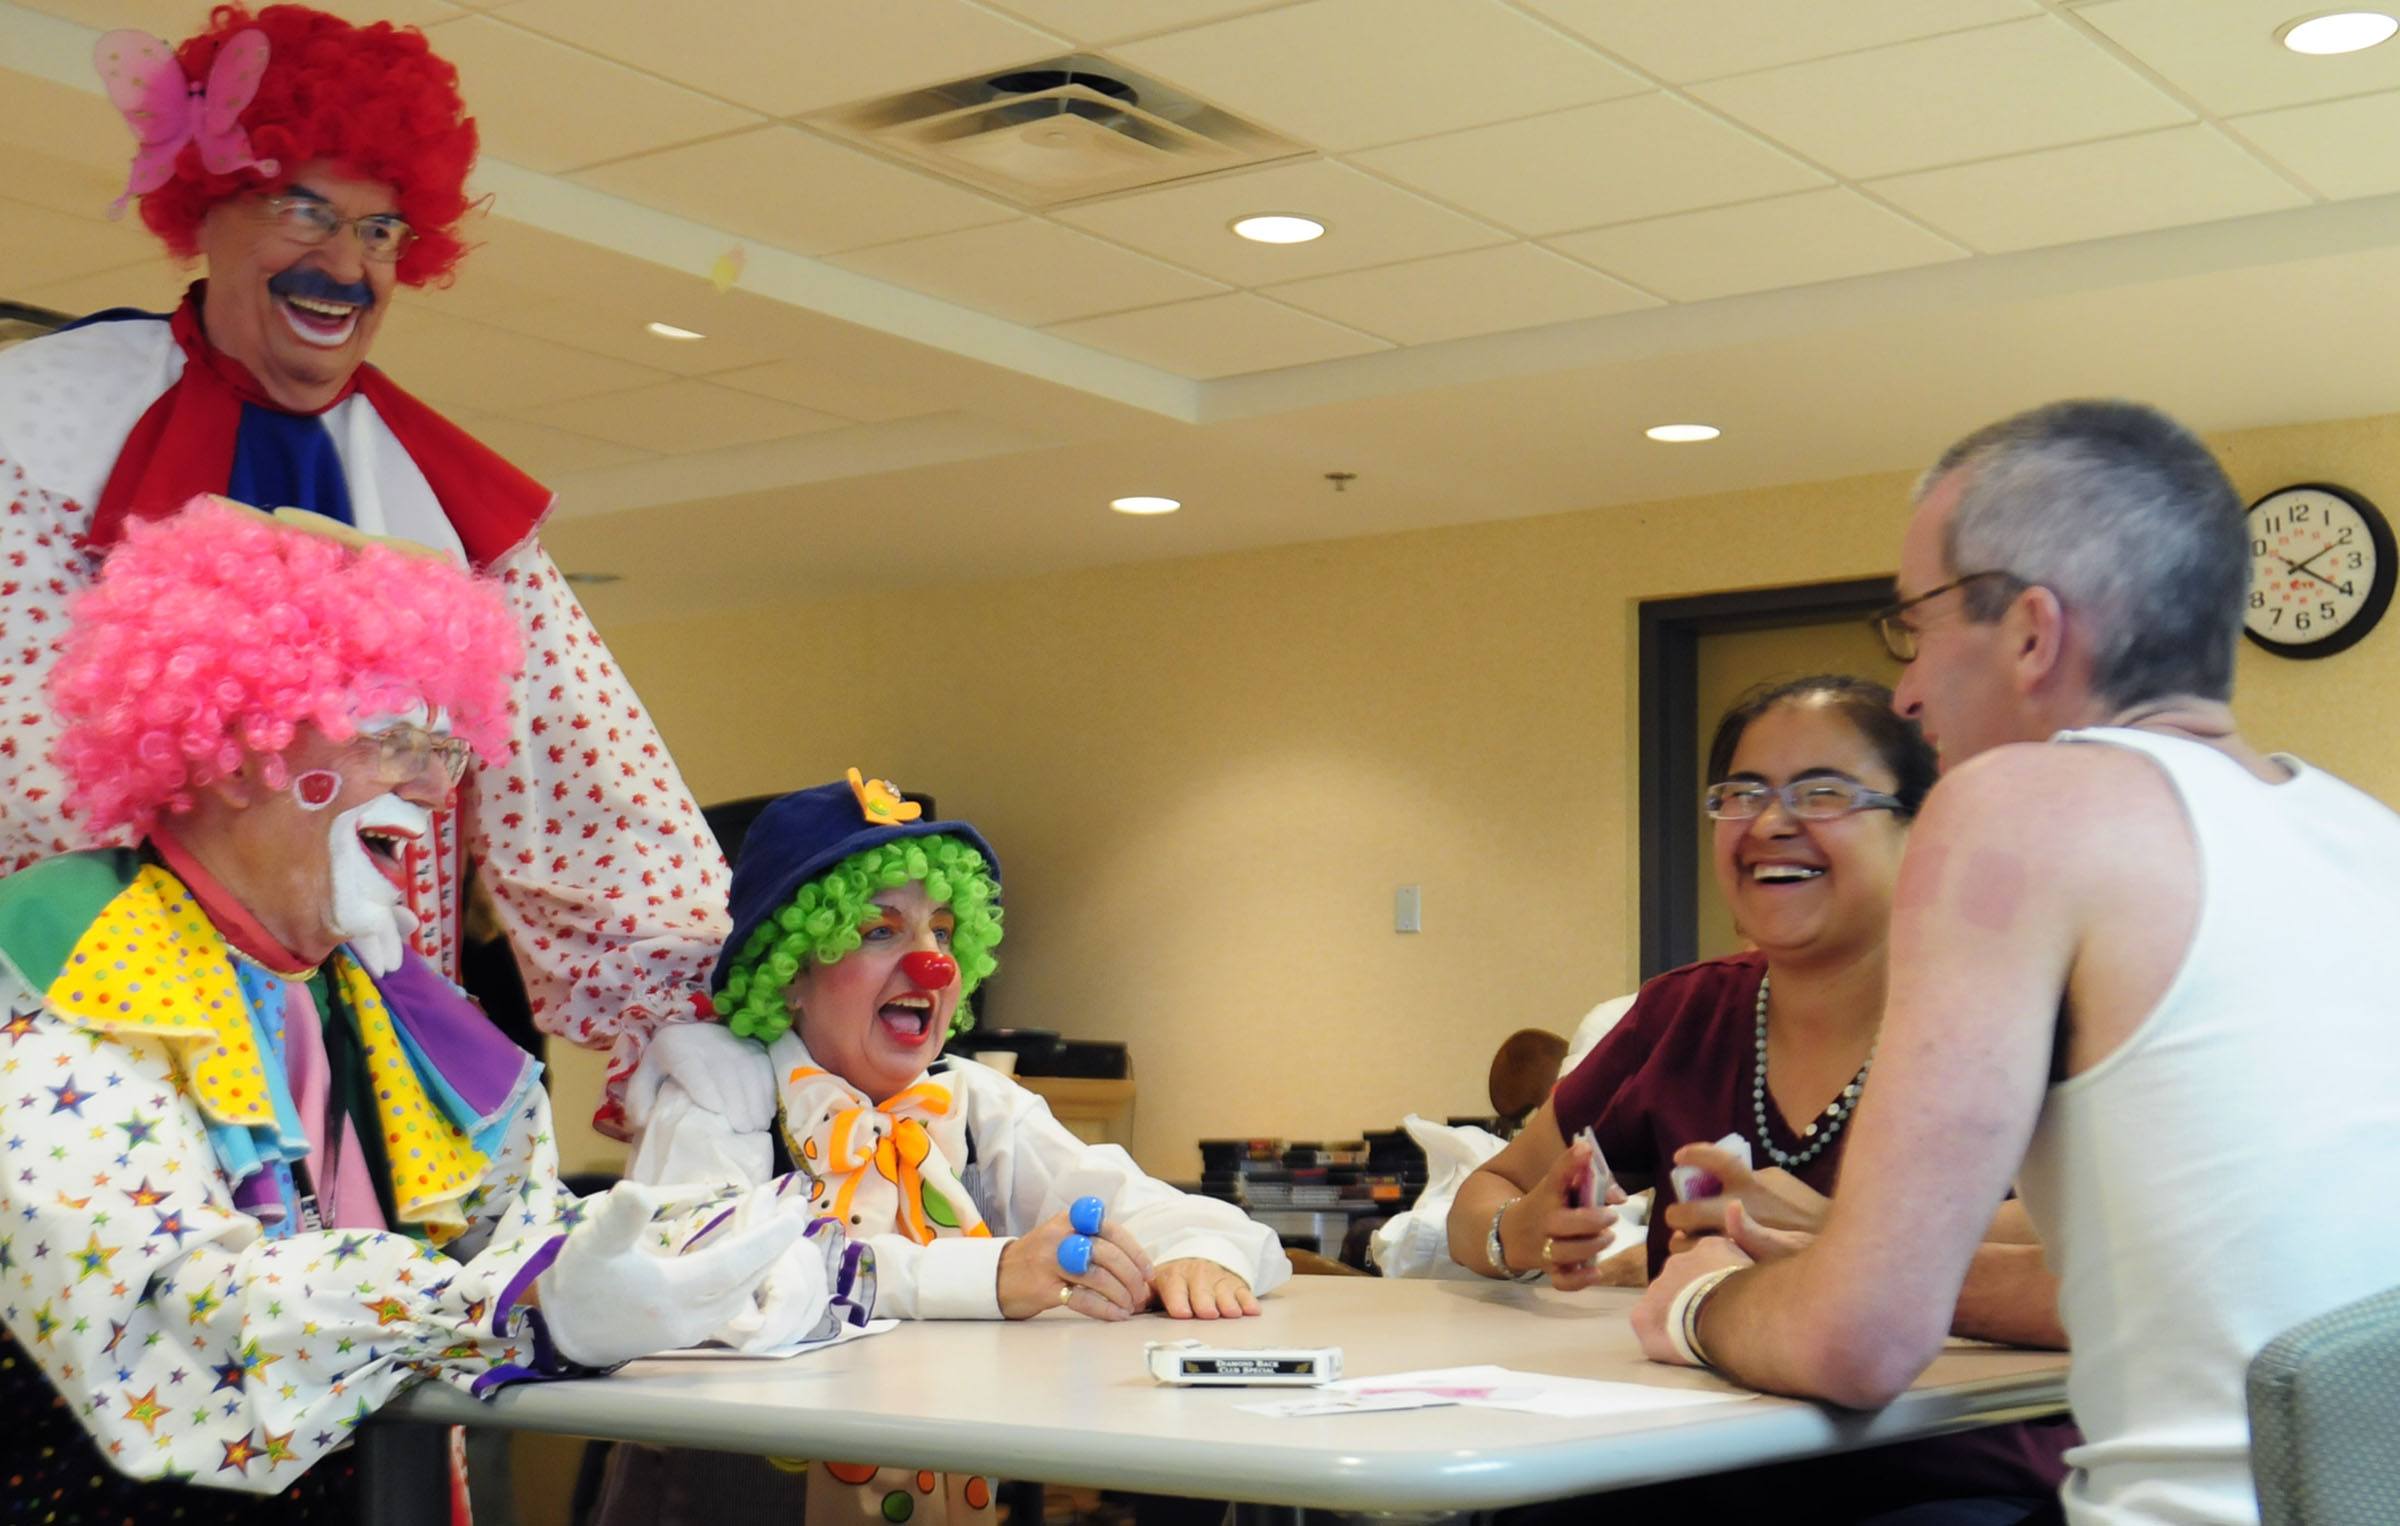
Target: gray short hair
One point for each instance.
(2125, 516)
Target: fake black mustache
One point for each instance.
(302, 281)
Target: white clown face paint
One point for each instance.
(369, 910)
(367, 853)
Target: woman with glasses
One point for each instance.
(1814, 783)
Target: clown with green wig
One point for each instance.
(859, 933)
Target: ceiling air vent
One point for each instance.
(1057, 132)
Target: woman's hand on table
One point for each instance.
(1115, 1286)
(1198, 1288)
(1771, 1197)
(1755, 1240)
(1540, 1230)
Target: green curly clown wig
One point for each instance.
(826, 918)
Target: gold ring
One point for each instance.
(1066, 1290)
(1545, 1250)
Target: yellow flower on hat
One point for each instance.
(879, 801)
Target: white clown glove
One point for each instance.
(723, 1072)
(701, 1104)
(821, 1284)
(609, 1297)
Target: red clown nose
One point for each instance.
(931, 972)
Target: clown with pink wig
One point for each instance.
(266, 1165)
(316, 168)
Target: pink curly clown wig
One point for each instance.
(375, 100)
(212, 636)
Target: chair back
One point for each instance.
(2325, 1418)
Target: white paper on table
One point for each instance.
(802, 1348)
(1534, 1393)
(1329, 1402)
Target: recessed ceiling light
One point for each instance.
(1682, 434)
(1279, 228)
(1142, 505)
(671, 331)
(2339, 32)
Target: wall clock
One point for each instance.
(2321, 570)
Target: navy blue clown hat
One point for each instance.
(807, 832)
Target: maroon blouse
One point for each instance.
(1676, 1070)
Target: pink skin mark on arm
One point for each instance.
(1992, 891)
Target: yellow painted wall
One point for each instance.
(1205, 778)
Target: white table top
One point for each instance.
(1064, 1399)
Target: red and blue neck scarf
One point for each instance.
(217, 431)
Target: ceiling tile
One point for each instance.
(175, 20)
(680, 417)
(2343, 148)
(1608, 163)
(839, 391)
(1029, 272)
(785, 187)
(1099, 21)
(550, 107)
(545, 452)
(453, 363)
(1220, 336)
(2093, 190)
(39, 246)
(1687, 40)
(2224, 54)
(1367, 222)
(784, 59)
(1970, 95)
(155, 285)
(1760, 245)
(1483, 291)
(1343, 74)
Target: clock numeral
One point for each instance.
(2258, 599)
(2349, 591)
(2300, 621)
(2275, 615)
(2300, 513)
(2343, 539)
(2258, 548)
(2354, 560)
(2325, 611)
(2274, 523)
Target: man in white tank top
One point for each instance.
(2143, 969)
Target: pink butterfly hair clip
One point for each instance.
(165, 110)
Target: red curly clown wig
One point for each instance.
(213, 635)
(374, 100)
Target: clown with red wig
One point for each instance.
(316, 167)
(266, 1166)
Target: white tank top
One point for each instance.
(2225, 1173)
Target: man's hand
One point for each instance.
(1197, 1288)
(1772, 1197)
(723, 1073)
(1650, 1315)
(1115, 1286)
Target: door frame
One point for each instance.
(1668, 743)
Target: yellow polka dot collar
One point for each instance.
(152, 964)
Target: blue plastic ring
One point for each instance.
(1084, 1213)
(1075, 1255)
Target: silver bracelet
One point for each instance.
(1683, 1314)
(1494, 1253)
